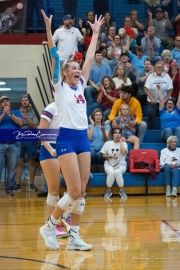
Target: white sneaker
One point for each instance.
(76, 242)
(49, 237)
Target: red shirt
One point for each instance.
(105, 102)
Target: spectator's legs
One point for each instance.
(119, 175)
(151, 114)
(3, 149)
(167, 174)
(175, 177)
(109, 170)
(30, 11)
(142, 131)
(166, 133)
(38, 5)
(19, 171)
(32, 170)
(177, 134)
(13, 154)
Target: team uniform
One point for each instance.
(73, 119)
(51, 114)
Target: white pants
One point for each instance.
(114, 173)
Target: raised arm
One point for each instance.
(55, 62)
(92, 47)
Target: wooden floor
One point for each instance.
(140, 233)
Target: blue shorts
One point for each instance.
(29, 148)
(44, 153)
(72, 141)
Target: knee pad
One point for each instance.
(78, 207)
(66, 203)
(52, 200)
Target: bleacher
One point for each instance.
(134, 183)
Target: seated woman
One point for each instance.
(120, 77)
(174, 73)
(169, 116)
(125, 122)
(106, 96)
(114, 152)
(98, 134)
(170, 164)
(115, 51)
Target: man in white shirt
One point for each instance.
(67, 38)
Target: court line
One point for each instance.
(32, 260)
(171, 227)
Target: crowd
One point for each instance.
(121, 72)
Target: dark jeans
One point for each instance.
(37, 5)
(152, 113)
(70, 7)
(142, 100)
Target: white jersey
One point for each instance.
(71, 104)
(112, 148)
(164, 81)
(67, 41)
(51, 114)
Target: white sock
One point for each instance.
(51, 222)
(74, 229)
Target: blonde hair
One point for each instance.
(165, 52)
(65, 66)
(120, 114)
(116, 73)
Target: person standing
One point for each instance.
(70, 7)
(72, 145)
(36, 5)
(9, 151)
(30, 121)
(67, 38)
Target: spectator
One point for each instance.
(136, 24)
(98, 71)
(9, 151)
(114, 152)
(109, 37)
(166, 60)
(130, 70)
(158, 77)
(135, 110)
(151, 5)
(170, 163)
(98, 134)
(162, 24)
(106, 25)
(70, 7)
(120, 77)
(169, 117)
(114, 51)
(67, 38)
(126, 123)
(151, 45)
(137, 59)
(174, 73)
(128, 30)
(85, 25)
(106, 96)
(30, 121)
(36, 5)
(103, 50)
(140, 81)
(175, 53)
